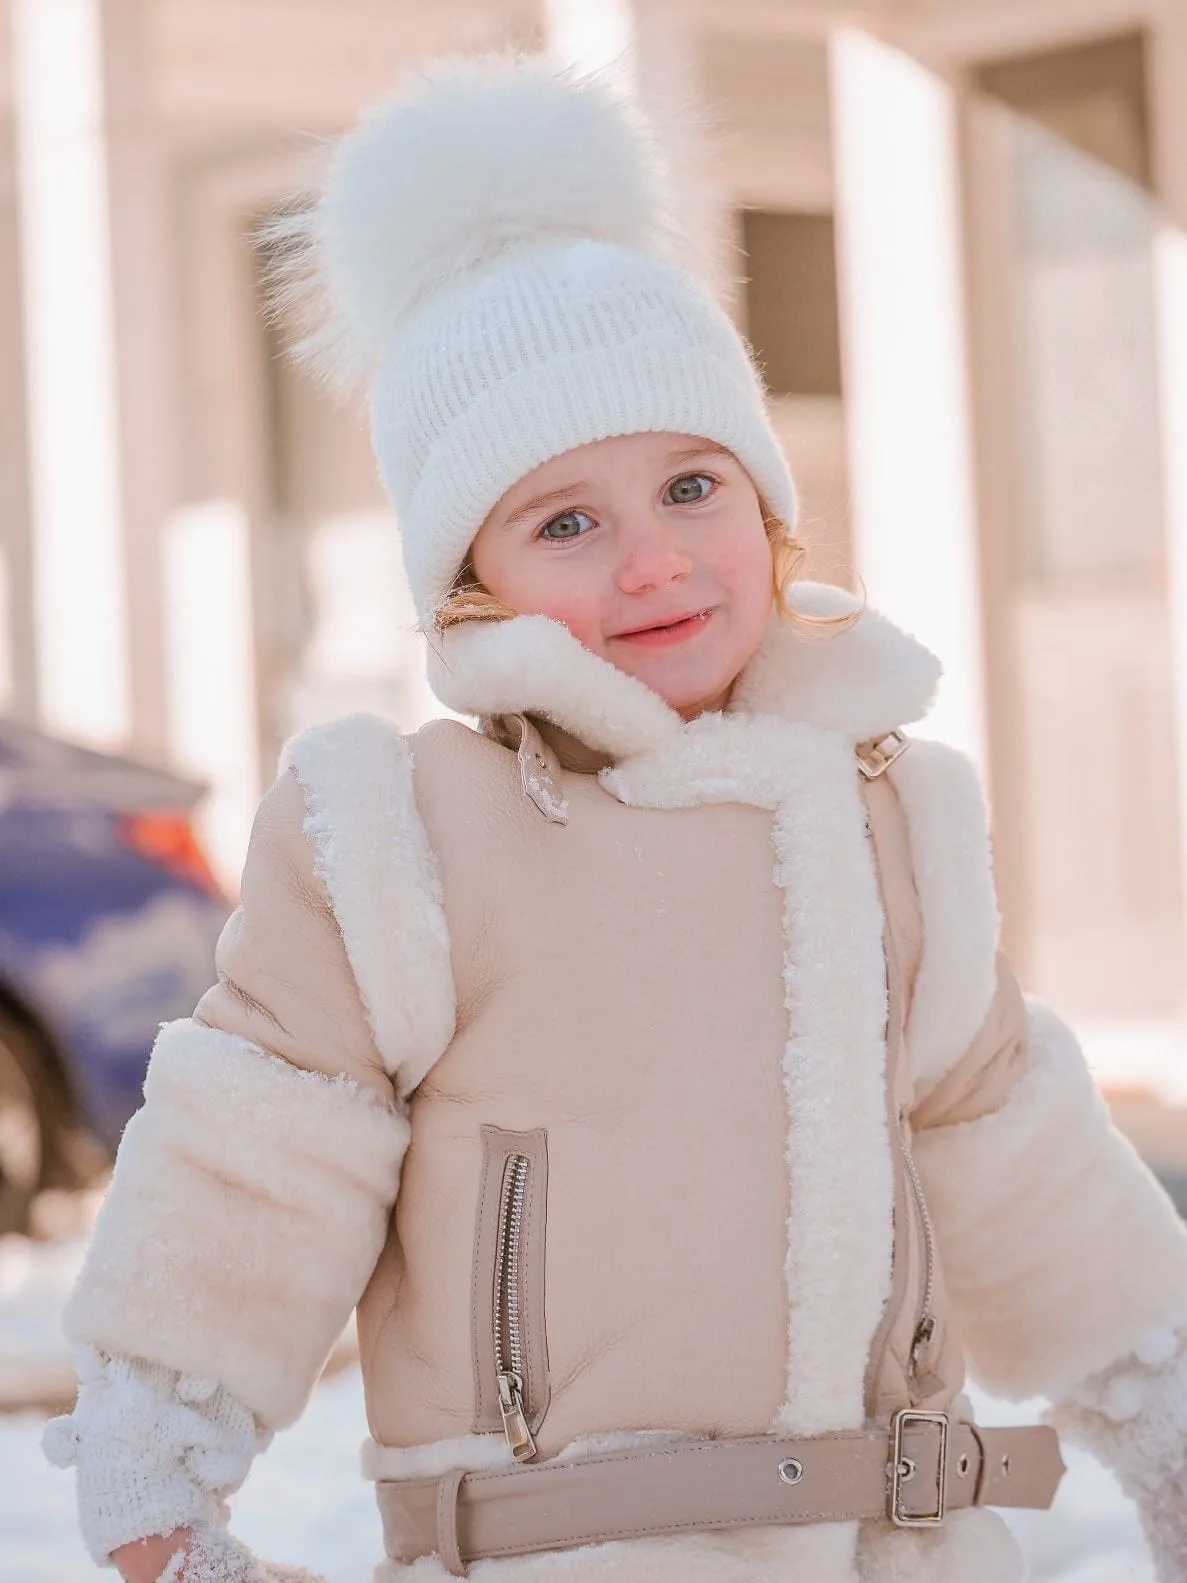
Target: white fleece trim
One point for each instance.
(535, 665)
(477, 1453)
(474, 1453)
(1059, 1248)
(857, 682)
(972, 1546)
(841, 1185)
(952, 858)
(840, 1223)
(717, 759)
(249, 1204)
(383, 880)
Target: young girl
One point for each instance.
(639, 1065)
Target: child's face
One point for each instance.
(651, 549)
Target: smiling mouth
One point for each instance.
(676, 631)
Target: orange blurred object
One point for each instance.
(166, 837)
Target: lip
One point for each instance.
(678, 630)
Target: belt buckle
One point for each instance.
(902, 1468)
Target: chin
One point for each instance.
(687, 682)
(692, 698)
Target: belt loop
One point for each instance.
(447, 1540)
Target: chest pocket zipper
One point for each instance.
(511, 1381)
(508, 1323)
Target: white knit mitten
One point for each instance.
(1133, 1416)
(212, 1556)
(154, 1450)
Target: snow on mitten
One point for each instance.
(1133, 1417)
(213, 1556)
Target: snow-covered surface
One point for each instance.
(306, 1503)
(35, 1278)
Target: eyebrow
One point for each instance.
(539, 502)
(689, 453)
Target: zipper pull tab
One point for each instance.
(515, 1423)
(921, 1341)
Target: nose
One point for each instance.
(652, 555)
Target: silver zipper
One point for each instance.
(925, 1327)
(508, 1327)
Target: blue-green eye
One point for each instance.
(569, 525)
(689, 489)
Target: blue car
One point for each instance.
(109, 913)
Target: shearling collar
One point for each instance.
(860, 682)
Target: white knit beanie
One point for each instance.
(492, 249)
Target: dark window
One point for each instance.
(1093, 96)
(791, 301)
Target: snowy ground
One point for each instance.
(305, 1502)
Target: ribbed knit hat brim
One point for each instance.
(494, 250)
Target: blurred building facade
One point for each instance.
(956, 233)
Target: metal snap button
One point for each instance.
(791, 1471)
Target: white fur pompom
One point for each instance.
(482, 156)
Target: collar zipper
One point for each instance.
(508, 1329)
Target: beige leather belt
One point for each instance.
(927, 1467)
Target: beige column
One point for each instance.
(994, 253)
(99, 338)
(652, 46)
(594, 35)
(145, 315)
(79, 602)
(18, 677)
(1167, 66)
(906, 396)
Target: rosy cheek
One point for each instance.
(581, 614)
(743, 566)
(538, 589)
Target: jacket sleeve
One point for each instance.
(252, 1191)
(1065, 1261)
(1060, 1249)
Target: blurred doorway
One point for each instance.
(342, 627)
(1063, 226)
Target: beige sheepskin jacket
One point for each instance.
(650, 961)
